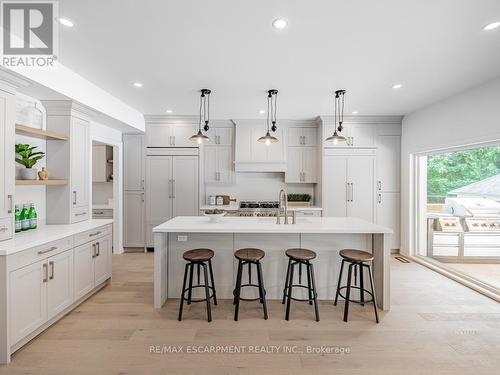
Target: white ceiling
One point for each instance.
(435, 48)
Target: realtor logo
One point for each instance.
(29, 33)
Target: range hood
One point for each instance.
(253, 156)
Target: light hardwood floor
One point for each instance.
(435, 326)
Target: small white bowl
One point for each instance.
(215, 217)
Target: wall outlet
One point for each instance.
(182, 238)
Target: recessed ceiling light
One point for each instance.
(280, 23)
(354, 112)
(262, 111)
(397, 86)
(168, 111)
(66, 22)
(137, 84)
(491, 26)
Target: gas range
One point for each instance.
(258, 208)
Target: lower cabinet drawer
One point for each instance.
(93, 234)
(482, 252)
(446, 239)
(37, 253)
(6, 229)
(79, 214)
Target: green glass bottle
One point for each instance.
(25, 222)
(32, 217)
(17, 216)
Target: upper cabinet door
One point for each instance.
(294, 136)
(185, 192)
(294, 168)
(276, 151)
(210, 169)
(181, 135)
(99, 170)
(362, 135)
(224, 136)
(7, 105)
(388, 162)
(158, 135)
(225, 164)
(309, 165)
(309, 136)
(80, 150)
(133, 156)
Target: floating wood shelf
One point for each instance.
(41, 182)
(39, 133)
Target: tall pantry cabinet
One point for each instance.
(68, 160)
(134, 191)
(7, 179)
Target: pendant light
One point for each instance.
(204, 117)
(339, 108)
(272, 99)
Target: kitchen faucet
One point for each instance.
(282, 196)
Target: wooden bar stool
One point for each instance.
(199, 258)
(249, 256)
(356, 259)
(300, 257)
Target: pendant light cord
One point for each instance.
(269, 108)
(201, 106)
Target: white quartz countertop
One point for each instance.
(47, 233)
(201, 224)
(236, 207)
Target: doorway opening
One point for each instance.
(458, 209)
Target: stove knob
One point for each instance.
(484, 225)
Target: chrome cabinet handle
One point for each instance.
(379, 185)
(74, 197)
(170, 188)
(352, 192)
(142, 197)
(93, 250)
(98, 249)
(379, 198)
(45, 273)
(173, 138)
(95, 234)
(304, 176)
(81, 213)
(51, 265)
(142, 184)
(47, 250)
(9, 197)
(173, 188)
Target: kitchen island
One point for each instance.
(325, 235)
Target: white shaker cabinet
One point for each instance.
(170, 135)
(222, 136)
(302, 166)
(218, 164)
(28, 299)
(133, 160)
(7, 179)
(388, 214)
(133, 222)
(60, 283)
(84, 269)
(80, 142)
(357, 136)
(348, 184)
(102, 259)
(185, 186)
(302, 136)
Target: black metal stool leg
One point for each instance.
(355, 274)
(237, 291)
(361, 285)
(261, 289)
(338, 284)
(249, 272)
(207, 292)
(238, 275)
(309, 287)
(183, 289)
(315, 295)
(300, 273)
(212, 280)
(198, 272)
(286, 280)
(373, 293)
(190, 291)
(289, 300)
(348, 292)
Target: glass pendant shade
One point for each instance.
(268, 139)
(199, 137)
(336, 138)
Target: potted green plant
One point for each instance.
(299, 199)
(28, 159)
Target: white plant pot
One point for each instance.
(27, 173)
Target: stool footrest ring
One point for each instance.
(353, 300)
(299, 299)
(198, 299)
(248, 299)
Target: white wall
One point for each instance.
(471, 117)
